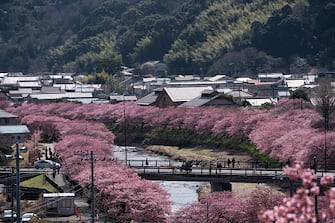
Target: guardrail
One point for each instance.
(9, 169)
(6, 168)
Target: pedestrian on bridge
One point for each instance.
(233, 162)
(53, 173)
(228, 162)
(219, 165)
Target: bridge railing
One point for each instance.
(153, 163)
(6, 169)
(206, 171)
(224, 164)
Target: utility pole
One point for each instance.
(316, 196)
(18, 195)
(12, 196)
(207, 212)
(92, 189)
(125, 129)
(325, 138)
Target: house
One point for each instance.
(270, 77)
(11, 134)
(294, 84)
(218, 77)
(175, 96)
(284, 93)
(58, 204)
(34, 85)
(20, 94)
(51, 90)
(259, 101)
(5, 99)
(187, 77)
(238, 95)
(209, 98)
(65, 86)
(44, 98)
(61, 78)
(266, 89)
(7, 118)
(87, 87)
(120, 98)
(151, 98)
(12, 82)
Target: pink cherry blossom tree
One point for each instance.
(121, 193)
(288, 131)
(302, 207)
(260, 200)
(219, 207)
(123, 196)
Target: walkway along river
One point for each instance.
(182, 192)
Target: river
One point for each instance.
(182, 192)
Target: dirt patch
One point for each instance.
(206, 155)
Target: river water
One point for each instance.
(182, 192)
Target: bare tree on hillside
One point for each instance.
(324, 100)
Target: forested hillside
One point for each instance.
(191, 36)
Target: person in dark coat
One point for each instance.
(233, 162)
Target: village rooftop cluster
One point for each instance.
(180, 91)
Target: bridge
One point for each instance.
(176, 171)
(167, 170)
(210, 174)
(219, 178)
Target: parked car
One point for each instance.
(7, 215)
(9, 157)
(23, 149)
(46, 164)
(27, 217)
(20, 157)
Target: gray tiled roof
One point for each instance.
(185, 93)
(148, 100)
(197, 102)
(13, 129)
(4, 114)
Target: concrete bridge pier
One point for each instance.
(220, 186)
